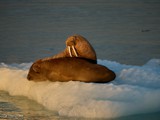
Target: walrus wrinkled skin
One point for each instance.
(69, 69)
(77, 46)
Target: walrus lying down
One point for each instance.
(69, 69)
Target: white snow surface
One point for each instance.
(135, 90)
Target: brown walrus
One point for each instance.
(77, 46)
(69, 69)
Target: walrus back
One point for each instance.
(75, 69)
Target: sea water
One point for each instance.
(125, 35)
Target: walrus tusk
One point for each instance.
(69, 49)
(74, 51)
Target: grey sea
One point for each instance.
(122, 31)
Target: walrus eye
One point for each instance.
(37, 72)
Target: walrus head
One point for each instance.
(78, 46)
(36, 72)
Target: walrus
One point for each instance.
(69, 69)
(77, 46)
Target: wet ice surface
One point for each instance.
(21, 108)
(12, 109)
(134, 91)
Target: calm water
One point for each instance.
(126, 31)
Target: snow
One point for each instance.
(135, 90)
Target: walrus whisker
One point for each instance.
(74, 51)
(69, 50)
